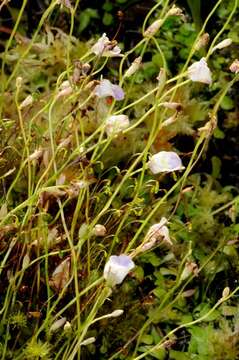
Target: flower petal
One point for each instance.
(165, 161)
(105, 47)
(200, 72)
(106, 88)
(117, 268)
(116, 123)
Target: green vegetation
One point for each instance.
(112, 149)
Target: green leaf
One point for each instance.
(216, 167)
(227, 103)
(178, 355)
(159, 354)
(147, 339)
(159, 292)
(195, 7)
(139, 273)
(107, 19)
(85, 18)
(218, 133)
(107, 6)
(200, 342)
(151, 258)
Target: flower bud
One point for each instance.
(65, 89)
(224, 43)
(191, 268)
(133, 67)
(86, 68)
(65, 3)
(88, 341)
(226, 292)
(37, 154)
(28, 101)
(67, 326)
(172, 105)
(57, 324)
(202, 41)
(153, 28)
(26, 261)
(99, 230)
(116, 313)
(175, 11)
(19, 81)
(234, 67)
(170, 120)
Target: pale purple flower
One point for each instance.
(106, 88)
(165, 161)
(117, 268)
(115, 124)
(105, 47)
(200, 72)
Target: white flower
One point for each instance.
(199, 71)
(116, 123)
(105, 47)
(106, 88)
(165, 161)
(224, 43)
(159, 232)
(117, 268)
